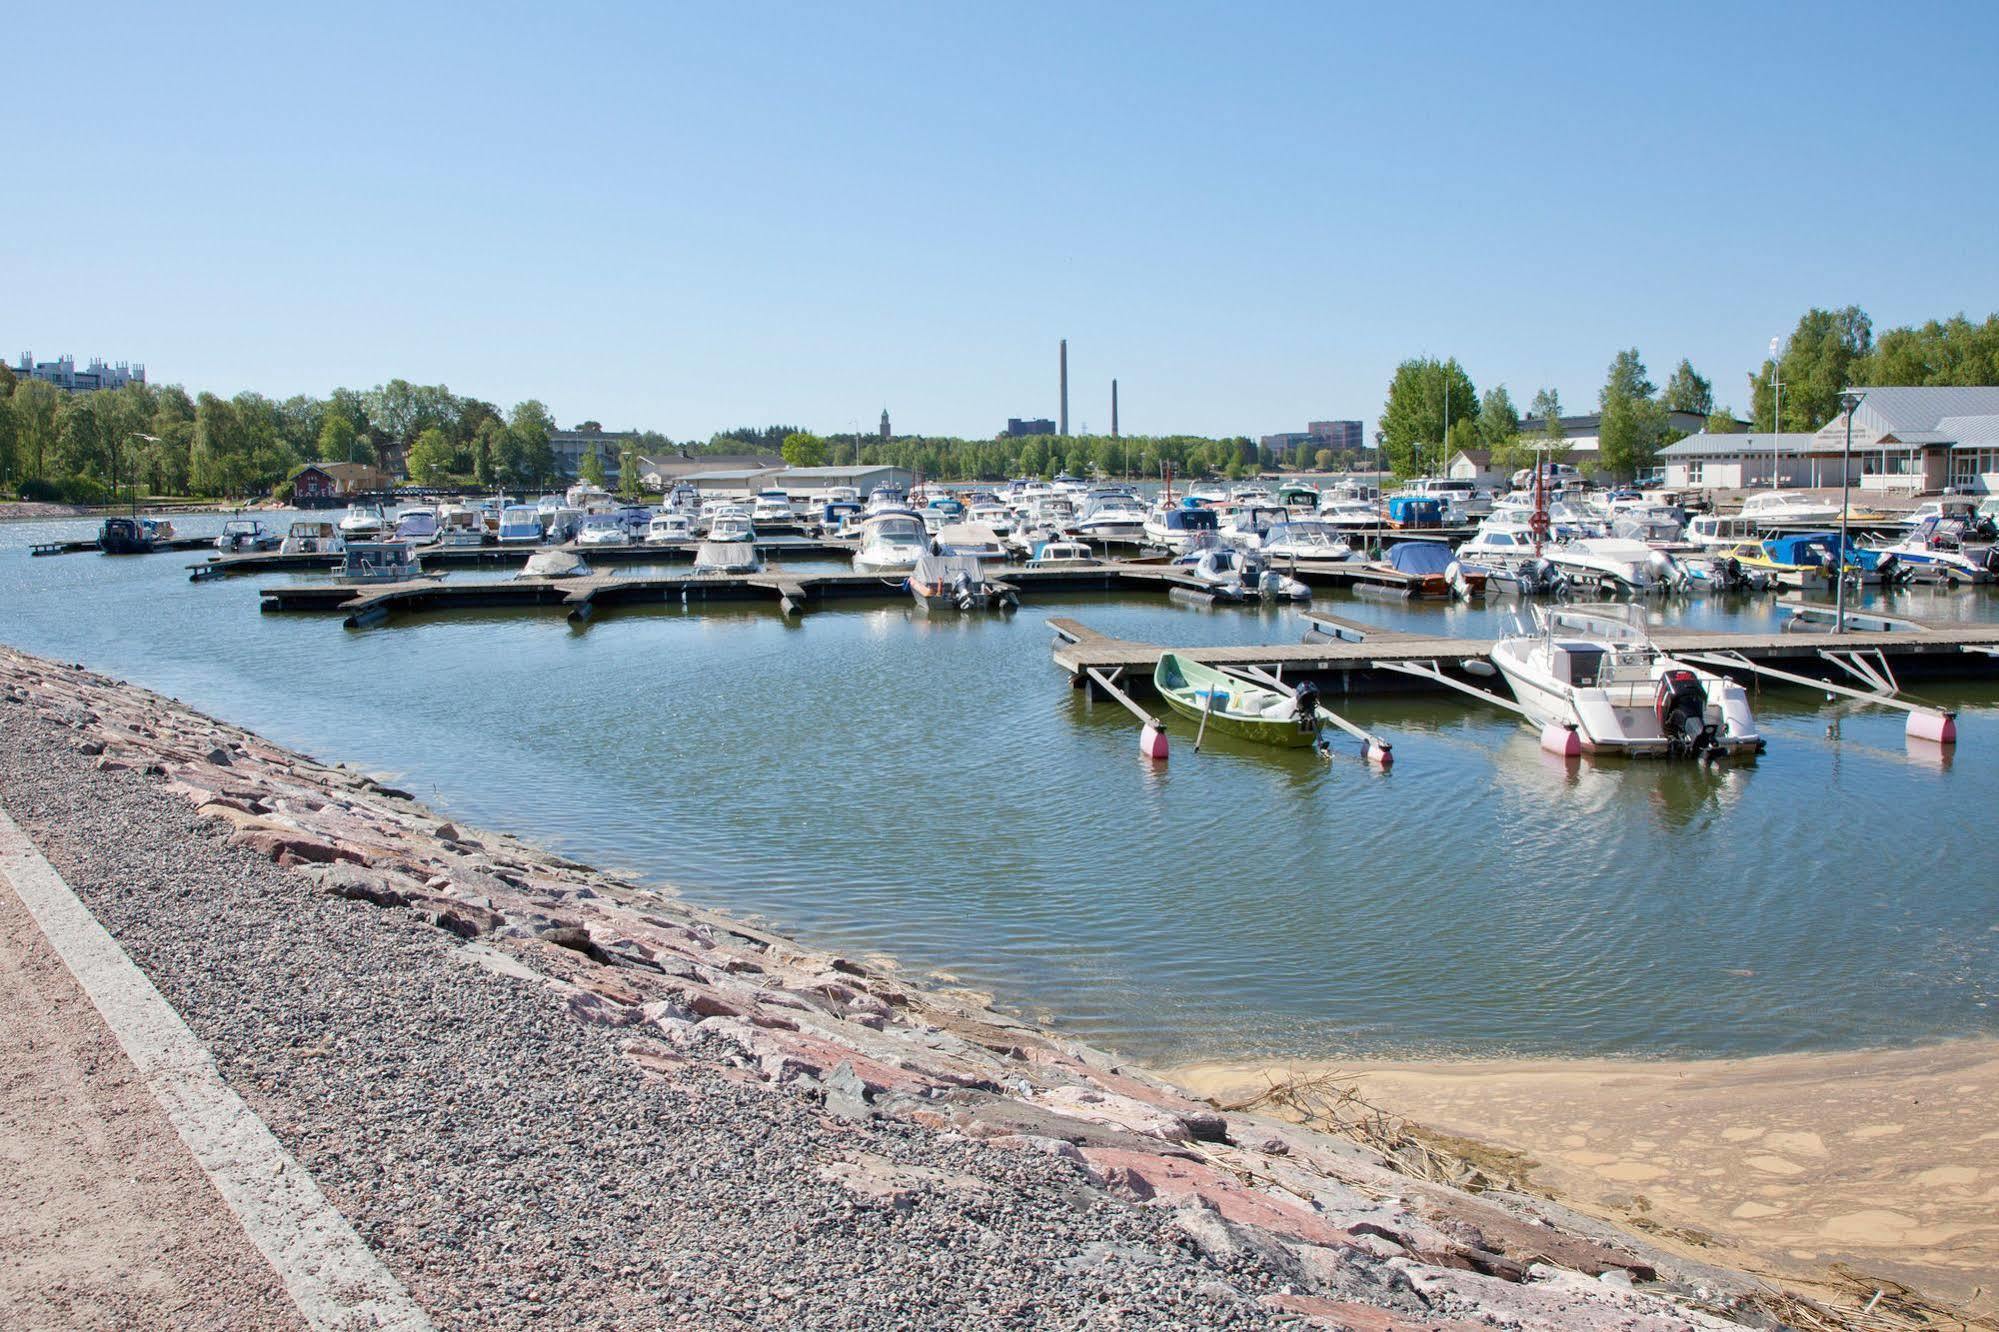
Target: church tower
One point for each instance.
(884, 426)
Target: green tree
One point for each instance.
(1826, 350)
(1322, 460)
(1634, 423)
(590, 467)
(803, 449)
(1686, 391)
(6, 380)
(1722, 421)
(1425, 398)
(8, 443)
(83, 439)
(530, 460)
(629, 484)
(36, 407)
(429, 458)
(489, 446)
(336, 438)
(1949, 353)
(1498, 422)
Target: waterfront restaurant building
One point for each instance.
(1909, 441)
(316, 485)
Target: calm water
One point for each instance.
(931, 788)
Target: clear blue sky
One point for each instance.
(728, 214)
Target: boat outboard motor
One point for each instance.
(1454, 574)
(1305, 701)
(965, 591)
(1681, 706)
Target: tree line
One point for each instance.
(1434, 410)
(161, 439)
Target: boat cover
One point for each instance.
(942, 570)
(1420, 557)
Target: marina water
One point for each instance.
(931, 790)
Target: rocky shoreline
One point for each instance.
(546, 1094)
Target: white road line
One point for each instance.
(337, 1283)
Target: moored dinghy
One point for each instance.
(1222, 702)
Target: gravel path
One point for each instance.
(106, 1219)
(511, 1171)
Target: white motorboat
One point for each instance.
(975, 540)
(1220, 568)
(732, 524)
(520, 525)
(1060, 553)
(460, 525)
(1654, 525)
(562, 523)
(892, 541)
(1592, 680)
(1243, 523)
(999, 518)
(727, 557)
(1349, 515)
(669, 529)
(362, 522)
(956, 582)
(1305, 539)
(554, 563)
(602, 529)
(1616, 564)
(772, 506)
(242, 535)
(1116, 517)
(1208, 492)
(1720, 530)
(1788, 506)
(417, 525)
(381, 562)
(586, 496)
(886, 499)
(1179, 528)
(313, 536)
(1941, 550)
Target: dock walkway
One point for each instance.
(1935, 651)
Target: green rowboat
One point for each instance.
(1234, 706)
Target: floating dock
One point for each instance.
(90, 546)
(1356, 658)
(365, 604)
(501, 557)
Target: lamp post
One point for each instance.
(1848, 400)
(1777, 412)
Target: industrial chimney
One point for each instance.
(1065, 388)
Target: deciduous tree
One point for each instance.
(1425, 398)
(429, 459)
(803, 449)
(1686, 391)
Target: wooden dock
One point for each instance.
(1362, 659)
(501, 557)
(364, 604)
(171, 544)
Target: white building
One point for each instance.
(62, 372)
(1907, 441)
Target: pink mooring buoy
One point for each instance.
(1939, 727)
(1561, 741)
(1152, 742)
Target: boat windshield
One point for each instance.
(1612, 622)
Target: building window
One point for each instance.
(1695, 468)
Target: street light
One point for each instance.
(136, 434)
(1777, 412)
(1848, 400)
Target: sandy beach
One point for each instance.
(1881, 1164)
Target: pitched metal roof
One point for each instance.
(1900, 409)
(1971, 432)
(1704, 445)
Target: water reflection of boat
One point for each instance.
(1222, 702)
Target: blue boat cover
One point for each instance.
(1420, 557)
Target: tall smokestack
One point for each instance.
(1113, 409)
(1065, 388)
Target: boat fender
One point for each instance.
(1152, 741)
(1380, 754)
(1561, 741)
